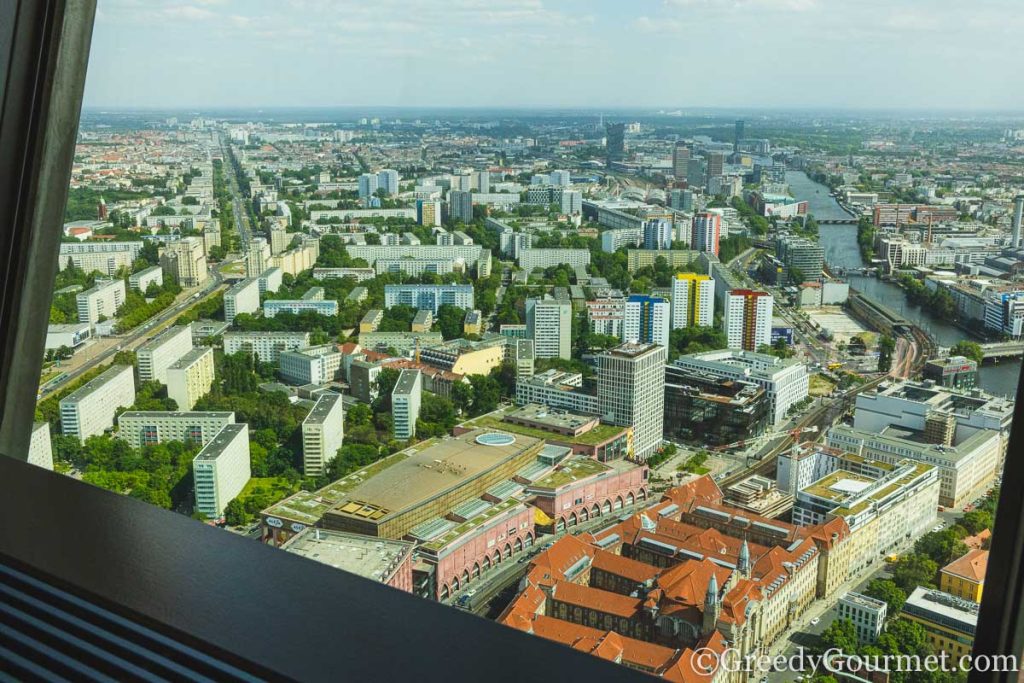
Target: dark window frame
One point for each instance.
(127, 556)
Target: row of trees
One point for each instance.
(939, 301)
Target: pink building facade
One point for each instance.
(621, 485)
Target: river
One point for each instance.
(841, 251)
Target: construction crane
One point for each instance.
(793, 434)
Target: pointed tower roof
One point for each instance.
(744, 560)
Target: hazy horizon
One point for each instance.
(558, 54)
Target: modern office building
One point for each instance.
(144, 278)
(615, 142)
(748, 319)
(709, 410)
(243, 297)
(191, 377)
(267, 346)
(70, 335)
(680, 159)
(90, 409)
(706, 231)
(571, 202)
(148, 427)
(323, 432)
(630, 392)
(429, 297)
(950, 622)
(693, 300)
(221, 470)
(657, 234)
(557, 389)
(525, 359)
(801, 255)
(646, 320)
(405, 403)
(460, 205)
(785, 381)
(955, 372)
(162, 351)
(716, 164)
(866, 613)
(549, 325)
(185, 261)
(102, 301)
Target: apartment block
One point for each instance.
(191, 377)
(40, 448)
(323, 432)
(90, 409)
(631, 392)
(185, 261)
(549, 325)
(748, 319)
(145, 277)
(405, 403)
(429, 297)
(243, 297)
(162, 351)
(646, 320)
(148, 427)
(693, 300)
(102, 301)
(221, 470)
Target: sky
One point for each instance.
(656, 54)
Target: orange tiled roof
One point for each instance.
(632, 651)
(684, 669)
(552, 564)
(735, 602)
(624, 567)
(971, 566)
(602, 601)
(978, 540)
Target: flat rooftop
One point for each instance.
(553, 417)
(323, 407)
(599, 434)
(437, 466)
(94, 384)
(182, 414)
(864, 601)
(163, 337)
(406, 382)
(570, 471)
(213, 449)
(191, 357)
(839, 485)
(451, 534)
(371, 558)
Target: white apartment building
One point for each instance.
(323, 431)
(693, 300)
(646, 320)
(270, 280)
(473, 255)
(266, 345)
(357, 274)
(221, 470)
(148, 427)
(103, 300)
(40, 449)
(605, 316)
(525, 359)
(405, 403)
(243, 297)
(145, 277)
(90, 409)
(190, 377)
(631, 392)
(557, 389)
(867, 614)
(748, 319)
(311, 365)
(104, 257)
(429, 297)
(531, 259)
(549, 325)
(785, 381)
(162, 351)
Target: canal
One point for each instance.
(841, 251)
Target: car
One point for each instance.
(815, 621)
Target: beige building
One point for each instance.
(191, 377)
(185, 261)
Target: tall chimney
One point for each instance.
(1018, 213)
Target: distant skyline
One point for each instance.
(645, 54)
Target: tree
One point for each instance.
(976, 521)
(941, 546)
(968, 349)
(462, 396)
(486, 394)
(235, 514)
(450, 320)
(914, 570)
(386, 381)
(841, 635)
(888, 592)
(886, 346)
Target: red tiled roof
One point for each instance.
(624, 567)
(605, 602)
(971, 566)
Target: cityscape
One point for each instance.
(656, 383)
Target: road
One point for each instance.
(242, 224)
(136, 337)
